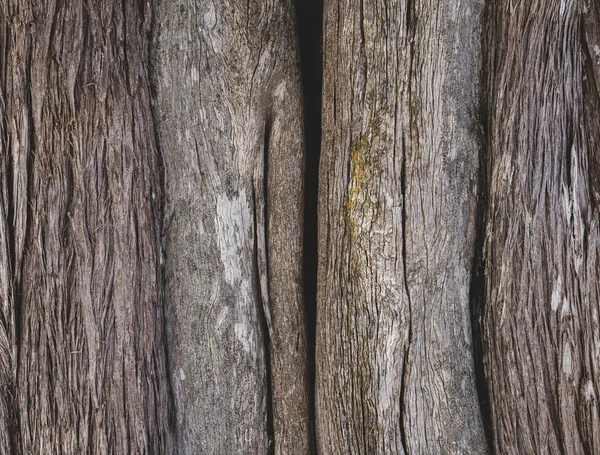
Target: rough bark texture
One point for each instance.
(542, 250)
(151, 295)
(398, 185)
(81, 327)
(228, 110)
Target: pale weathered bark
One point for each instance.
(542, 253)
(82, 346)
(398, 189)
(228, 112)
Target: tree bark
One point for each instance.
(542, 253)
(398, 191)
(228, 110)
(151, 228)
(82, 337)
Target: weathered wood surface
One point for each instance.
(81, 327)
(398, 186)
(541, 324)
(151, 245)
(228, 113)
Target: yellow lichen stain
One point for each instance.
(362, 204)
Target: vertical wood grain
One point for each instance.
(398, 191)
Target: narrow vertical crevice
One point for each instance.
(477, 286)
(406, 365)
(268, 372)
(477, 299)
(410, 31)
(309, 20)
(261, 267)
(162, 224)
(266, 308)
(270, 424)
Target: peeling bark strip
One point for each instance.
(398, 189)
(81, 329)
(543, 235)
(228, 110)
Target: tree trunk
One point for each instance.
(81, 331)
(228, 111)
(398, 190)
(542, 251)
(151, 228)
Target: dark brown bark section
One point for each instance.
(309, 19)
(82, 342)
(541, 323)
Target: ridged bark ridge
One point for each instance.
(81, 339)
(542, 253)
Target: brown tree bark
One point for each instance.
(82, 345)
(542, 253)
(398, 190)
(151, 236)
(82, 330)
